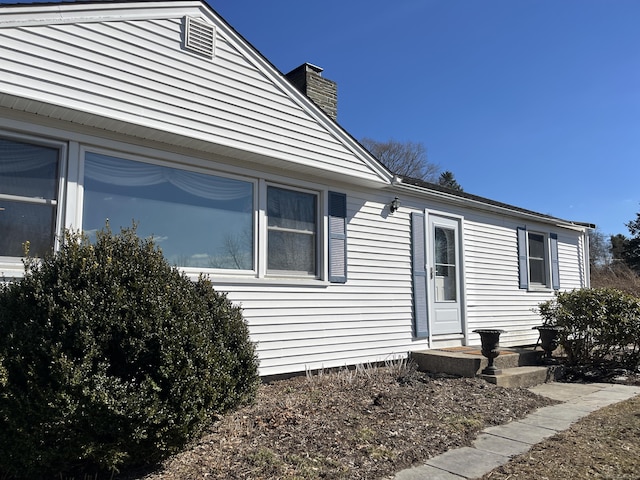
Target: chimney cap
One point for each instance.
(307, 67)
(313, 67)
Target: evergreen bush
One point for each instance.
(111, 358)
(599, 325)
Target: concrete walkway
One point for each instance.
(496, 445)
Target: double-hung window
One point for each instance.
(292, 232)
(538, 260)
(29, 189)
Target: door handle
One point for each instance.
(431, 272)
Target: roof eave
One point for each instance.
(479, 203)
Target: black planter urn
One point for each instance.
(490, 339)
(548, 342)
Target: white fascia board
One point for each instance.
(487, 207)
(47, 14)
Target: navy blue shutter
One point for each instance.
(337, 237)
(555, 268)
(523, 258)
(419, 276)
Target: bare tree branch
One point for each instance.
(407, 159)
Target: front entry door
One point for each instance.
(444, 275)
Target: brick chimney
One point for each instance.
(324, 93)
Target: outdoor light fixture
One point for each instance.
(394, 205)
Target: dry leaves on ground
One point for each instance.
(367, 423)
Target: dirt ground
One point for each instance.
(367, 423)
(370, 423)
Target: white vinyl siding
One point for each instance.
(128, 75)
(494, 299)
(317, 324)
(571, 257)
(366, 319)
(370, 317)
(136, 72)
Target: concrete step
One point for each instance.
(518, 366)
(520, 377)
(469, 361)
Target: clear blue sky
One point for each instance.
(535, 103)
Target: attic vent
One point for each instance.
(199, 37)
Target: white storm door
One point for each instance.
(444, 275)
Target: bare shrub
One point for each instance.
(616, 275)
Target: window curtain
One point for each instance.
(128, 173)
(22, 157)
(28, 170)
(291, 209)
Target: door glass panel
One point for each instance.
(445, 265)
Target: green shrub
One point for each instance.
(111, 358)
(598, 325)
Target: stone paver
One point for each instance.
(424, 472)
(609, 395)
(552, 423)
(562, 412)
(521, 432)
(500, 445)
(565, 391)
(496, 445)
(634, 390)
(475, 463)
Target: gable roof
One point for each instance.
(122, 67)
